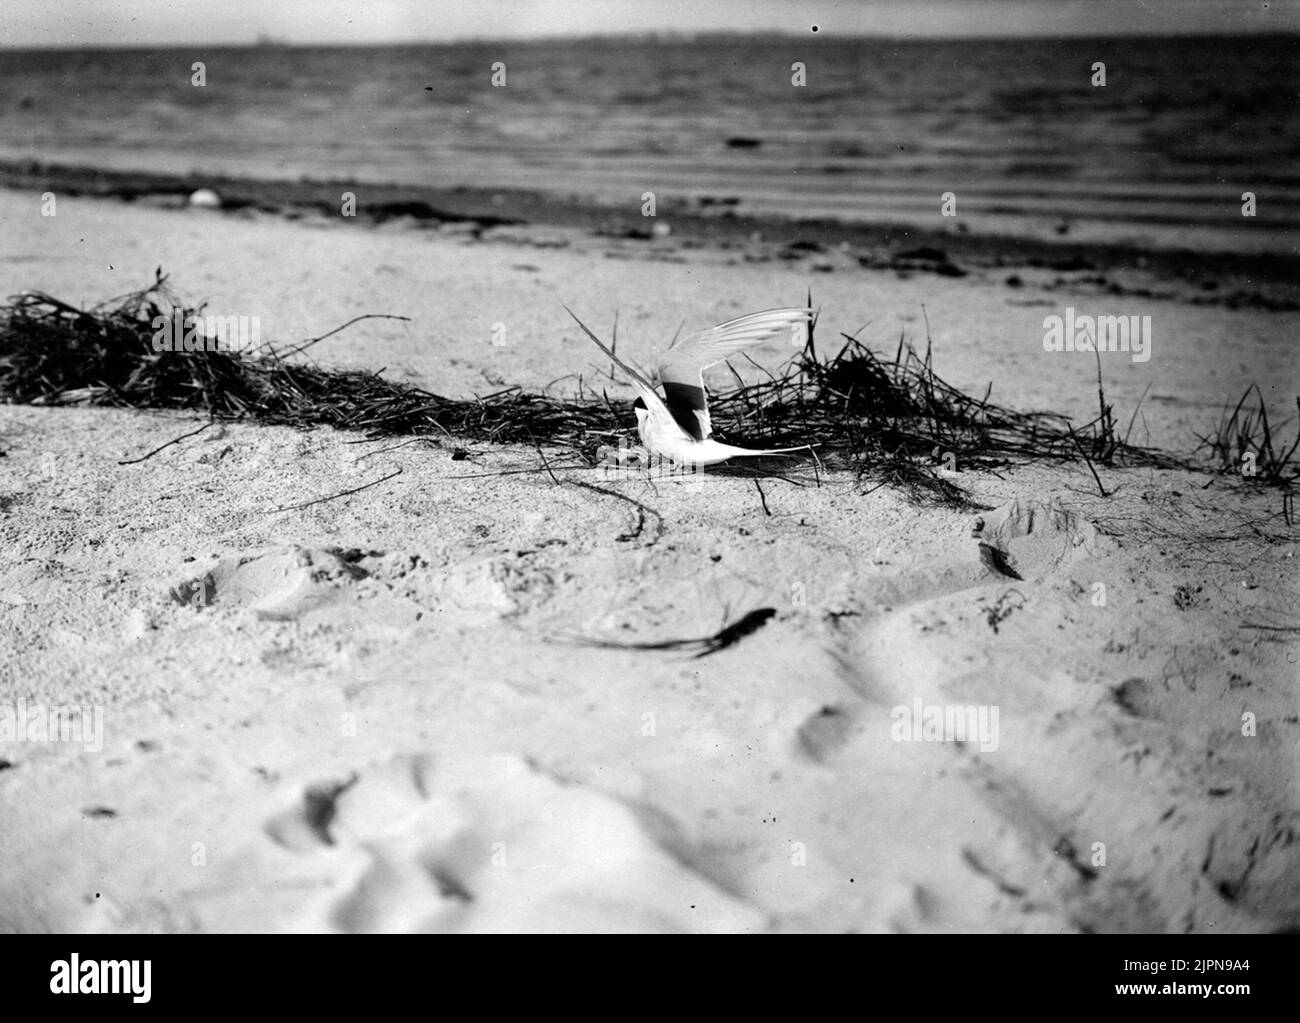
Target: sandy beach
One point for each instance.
(382, 712)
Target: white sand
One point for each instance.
(398, 738)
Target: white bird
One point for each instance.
(677, 426)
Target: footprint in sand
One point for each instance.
(1030, 539)
(1023, 540)
(490, 844)
(288, 584)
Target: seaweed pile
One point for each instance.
(893, 422)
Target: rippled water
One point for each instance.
(879, 132)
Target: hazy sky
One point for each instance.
(145, 22)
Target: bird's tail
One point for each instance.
(734, 452)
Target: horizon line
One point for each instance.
(273, 43)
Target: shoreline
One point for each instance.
(1269, 281)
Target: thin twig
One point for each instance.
(137, 461)
(546, 465)
(641, 510)
(1088, 462)
(356, 319)
(344, 493)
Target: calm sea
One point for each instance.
(1016, 130)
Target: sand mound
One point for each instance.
(490, 844)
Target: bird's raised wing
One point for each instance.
(682, 367)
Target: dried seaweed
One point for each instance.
(892, 422)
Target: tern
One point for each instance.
(677, 426)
